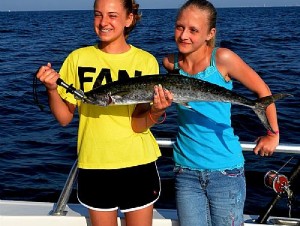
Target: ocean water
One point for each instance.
(36, 153)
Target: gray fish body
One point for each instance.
(140, 90)
(185, 89)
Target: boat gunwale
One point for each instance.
(161, 216)
(246, 146)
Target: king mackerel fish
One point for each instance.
(185, 89)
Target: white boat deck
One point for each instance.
(24, 213)
(14, 213)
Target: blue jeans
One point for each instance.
(210, 198)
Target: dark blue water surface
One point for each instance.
(36, 153)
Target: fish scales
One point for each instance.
(185, 89)
(140, 90)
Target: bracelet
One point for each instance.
(269, 132)
(157, 122)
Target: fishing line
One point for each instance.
(35, 93)
(285, 164)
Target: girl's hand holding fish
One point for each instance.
(146, 115)
(162, 99)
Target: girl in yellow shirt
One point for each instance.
(116, 150)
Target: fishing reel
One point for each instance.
(281, 185)
(278, 182)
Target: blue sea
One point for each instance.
(36, 153)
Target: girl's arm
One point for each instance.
(168, 62)
(146, 115)
(62, 110)
(230, 64)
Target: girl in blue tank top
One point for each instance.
(210, 182)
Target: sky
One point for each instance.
(34, 5)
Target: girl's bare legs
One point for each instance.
(103, 218)
(142, 217)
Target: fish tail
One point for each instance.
(262, 103)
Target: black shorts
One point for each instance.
(127, 189)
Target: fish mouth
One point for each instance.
(110, 100)
(105, 101)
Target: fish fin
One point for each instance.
(105, 74)
(97, 83)
(185, 104)
(262, 103)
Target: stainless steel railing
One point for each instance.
(59, 208)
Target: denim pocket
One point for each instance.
(236, 172)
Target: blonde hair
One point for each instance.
(208, 7)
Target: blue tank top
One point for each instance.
(205, 139)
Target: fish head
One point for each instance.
(102, 100)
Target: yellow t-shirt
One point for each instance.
(105, 137)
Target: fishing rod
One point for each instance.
(281, 185)
(78, 94)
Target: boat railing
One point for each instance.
(59, 207)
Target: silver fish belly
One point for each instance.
(185, 89)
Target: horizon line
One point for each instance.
(222, 7)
